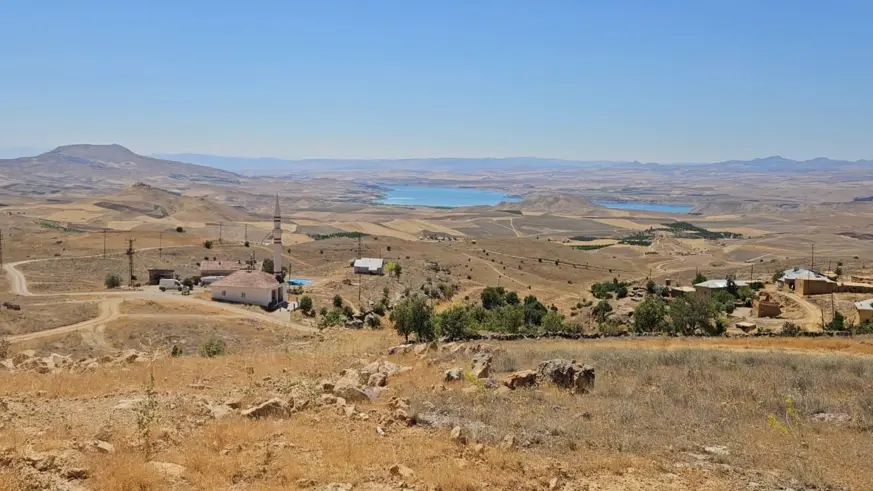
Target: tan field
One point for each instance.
(727, 412)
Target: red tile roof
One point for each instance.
(249, 279)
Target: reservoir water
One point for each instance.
(448, 197)
(643, 206)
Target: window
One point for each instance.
(243, 295)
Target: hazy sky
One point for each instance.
(647, 80)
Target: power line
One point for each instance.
(104, 243)
(1, 248)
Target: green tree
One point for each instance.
(512, 298)
(533, 310)
(414, 316)
(650, 287)
(207, 244)
(113, 280)
(305, 304)
(397, 270)
(722, 301)
(732, 287)
(838, 323)
(650, 315)
(553, 322)
(267, 266)
(493, 297)
(601, 310)
(374, 322)
(452, 323)
(180, 229)
(338, 301)
(690, 313)
(621, 292)
(699, 278)
(510, 318)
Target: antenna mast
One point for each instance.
(130, 252)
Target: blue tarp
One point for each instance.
(297, 281)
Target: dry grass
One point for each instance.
(42, 314)
(665, 403)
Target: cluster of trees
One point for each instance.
(350, 235)
(685, 229)
(639, 239)
(606, 289)
(500, 311)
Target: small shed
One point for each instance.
(865, 310)
(369, 266)
(706, 288)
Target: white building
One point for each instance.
(707, 288)
(249, 287)
(369, 265)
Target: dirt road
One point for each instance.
(109, 305)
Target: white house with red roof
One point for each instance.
(249, 287)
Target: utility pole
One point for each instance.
(812, 266)
(752, 274)
(104, 243)
(161, 245)
(247, 233)
(1, 248)
(130, 253)
(219, 232)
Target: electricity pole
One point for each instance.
(104, 243)
(160, 245)
(130, 253)
(812, 267)
(247, 233)
(1, 248)
(219, 232)
(360, 277)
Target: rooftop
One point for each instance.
(368, 262)
(222, 265)
(864, 305)
(803, 274)
(716, 284)
(248, 279)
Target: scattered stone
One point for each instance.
(833, 418)
(508, 442)
(104, 447)
(349, 410)
(75, 473)
(220, 411)
(23, 356)
(328, 399)
(167, 469)
(553, 484)
(304, 483)
(524, 378)
(7, 364)
(128, 404)
(378, 380)
(423, 348)
(482, 365)
(458, 435)
(401, 470)
(567, 374)
(454, 374)
(233, 402)
(350, 391)
(338, 486)
(401, 350)
(401, 415)
(380, 431)
(273, 408)
(719, 450)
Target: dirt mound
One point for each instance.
(556, 203)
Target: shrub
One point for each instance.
(4, 348)
(212, 348)
(246, 244)
(323, 312)
(113, 280)
(333, 317)
(838, 323)
(601, 310)
(838, 271)
(207, 244)
(374, 322)
(621, 292)
(380, 308)
(512, 298)
(337, 301)
(699, 278)
(180, 230)
(176, 351)
(493, 297)
(267, 266)
(305, 304)
(414, 316)
(791, 329)
(191, 281)
(690, 313)
(650, 287)
(348, 311)
(553, 322)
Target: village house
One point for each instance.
(707, 288)
(249, 287)
(865, 310)
(369, 266)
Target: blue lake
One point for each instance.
(451, 197)
(642, 206)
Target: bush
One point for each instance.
(4, 348)
(699, 278)
(305, 304)
(690, 313)
(621, 292)
(650, 287)
(374, 322)
(601, 310)
(838, 323)
(553, 322)
(113, 280)
(493, 297)
(650, 315)
(191, 281)
(333, 317)
(207, 244)
(176, 351)
(267, 266)
(180, 230)
(512, 298)
(246, 244)
(380, 308)
(212, 348)
(337, 301)
(414, 316)
(791, 329)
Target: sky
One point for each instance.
(654, 81)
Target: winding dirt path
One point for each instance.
(108, 312)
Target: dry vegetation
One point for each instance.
(41, 314)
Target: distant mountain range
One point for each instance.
(276, 166)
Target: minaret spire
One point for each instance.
(277, 239)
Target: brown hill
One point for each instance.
(553, 203)
(96, 166)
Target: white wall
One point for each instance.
(252, 296)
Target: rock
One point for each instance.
(23, 356)
(553, 484)
(326, 386)
(377, 380)
(349, 410)
(304, 483)
(567, 374)
(58, 361)
(167, 469)
(273, 408)
(401, 415)
(400, 350)
(508, 442)
(103, 447)
(328, 400)
(233, 402)
(128, 404)
(338, 486)
(833, 418)
(478, 449)
(220, 411)
(482, 365)
(458, 435)
(401, 470)
(720, 450)
(131, 356)
(423, 348)
(453, 374)
(75, 473)
(349, 390)
(7, 364)
(524, 378)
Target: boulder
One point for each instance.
(401, 349)
(482, 365)
(167, 469)
(350, 391)
(567, 374)
(326, 386)
(401, 470)
(7, 364)
(220, 411)
(524, 378)
(104, 447)
(273, 408)
(453, 374)
(131, 356)
(458, 435)
(423, 348)
(378, 380)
